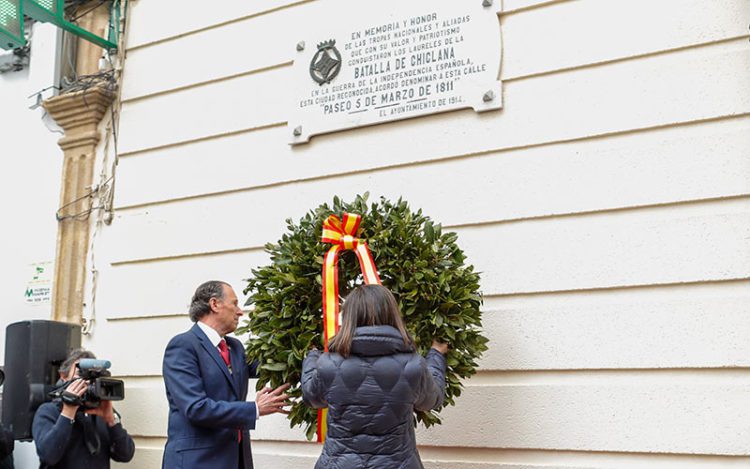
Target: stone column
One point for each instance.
(79, 114)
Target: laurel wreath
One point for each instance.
(424, 268)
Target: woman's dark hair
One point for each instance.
(367, 305)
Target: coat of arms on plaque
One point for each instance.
(326, 63)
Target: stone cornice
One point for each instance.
(80, 108)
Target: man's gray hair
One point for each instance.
(199, 305)
(73, 357)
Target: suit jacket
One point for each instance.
(207, 404)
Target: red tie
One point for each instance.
(224, 351)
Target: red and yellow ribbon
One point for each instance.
(341, 233)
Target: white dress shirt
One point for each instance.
(211, 333)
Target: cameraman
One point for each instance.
(69, 437)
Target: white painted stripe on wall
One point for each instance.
(685, 330)
(303, 455)
(681, 164)
(528, 45)
(661, 245)
(645, 417)
(540, 110)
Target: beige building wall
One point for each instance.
(607, 205)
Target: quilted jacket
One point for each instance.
(371, 397)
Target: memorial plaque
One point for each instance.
(380, 61)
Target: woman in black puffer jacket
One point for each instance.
(372, 381)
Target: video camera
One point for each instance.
(100, 386)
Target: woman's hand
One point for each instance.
(441, 347)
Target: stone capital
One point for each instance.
(79, 114)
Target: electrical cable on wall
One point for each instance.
(81, 15)
(105, 193)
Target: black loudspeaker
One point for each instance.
(34, 351)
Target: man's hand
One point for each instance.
(270, 401)
(77, 387)
(104, 411)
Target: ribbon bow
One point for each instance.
(342, 234)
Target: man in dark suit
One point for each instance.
(206, 377)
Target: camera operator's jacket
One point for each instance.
(62, 443)
(371, 398)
